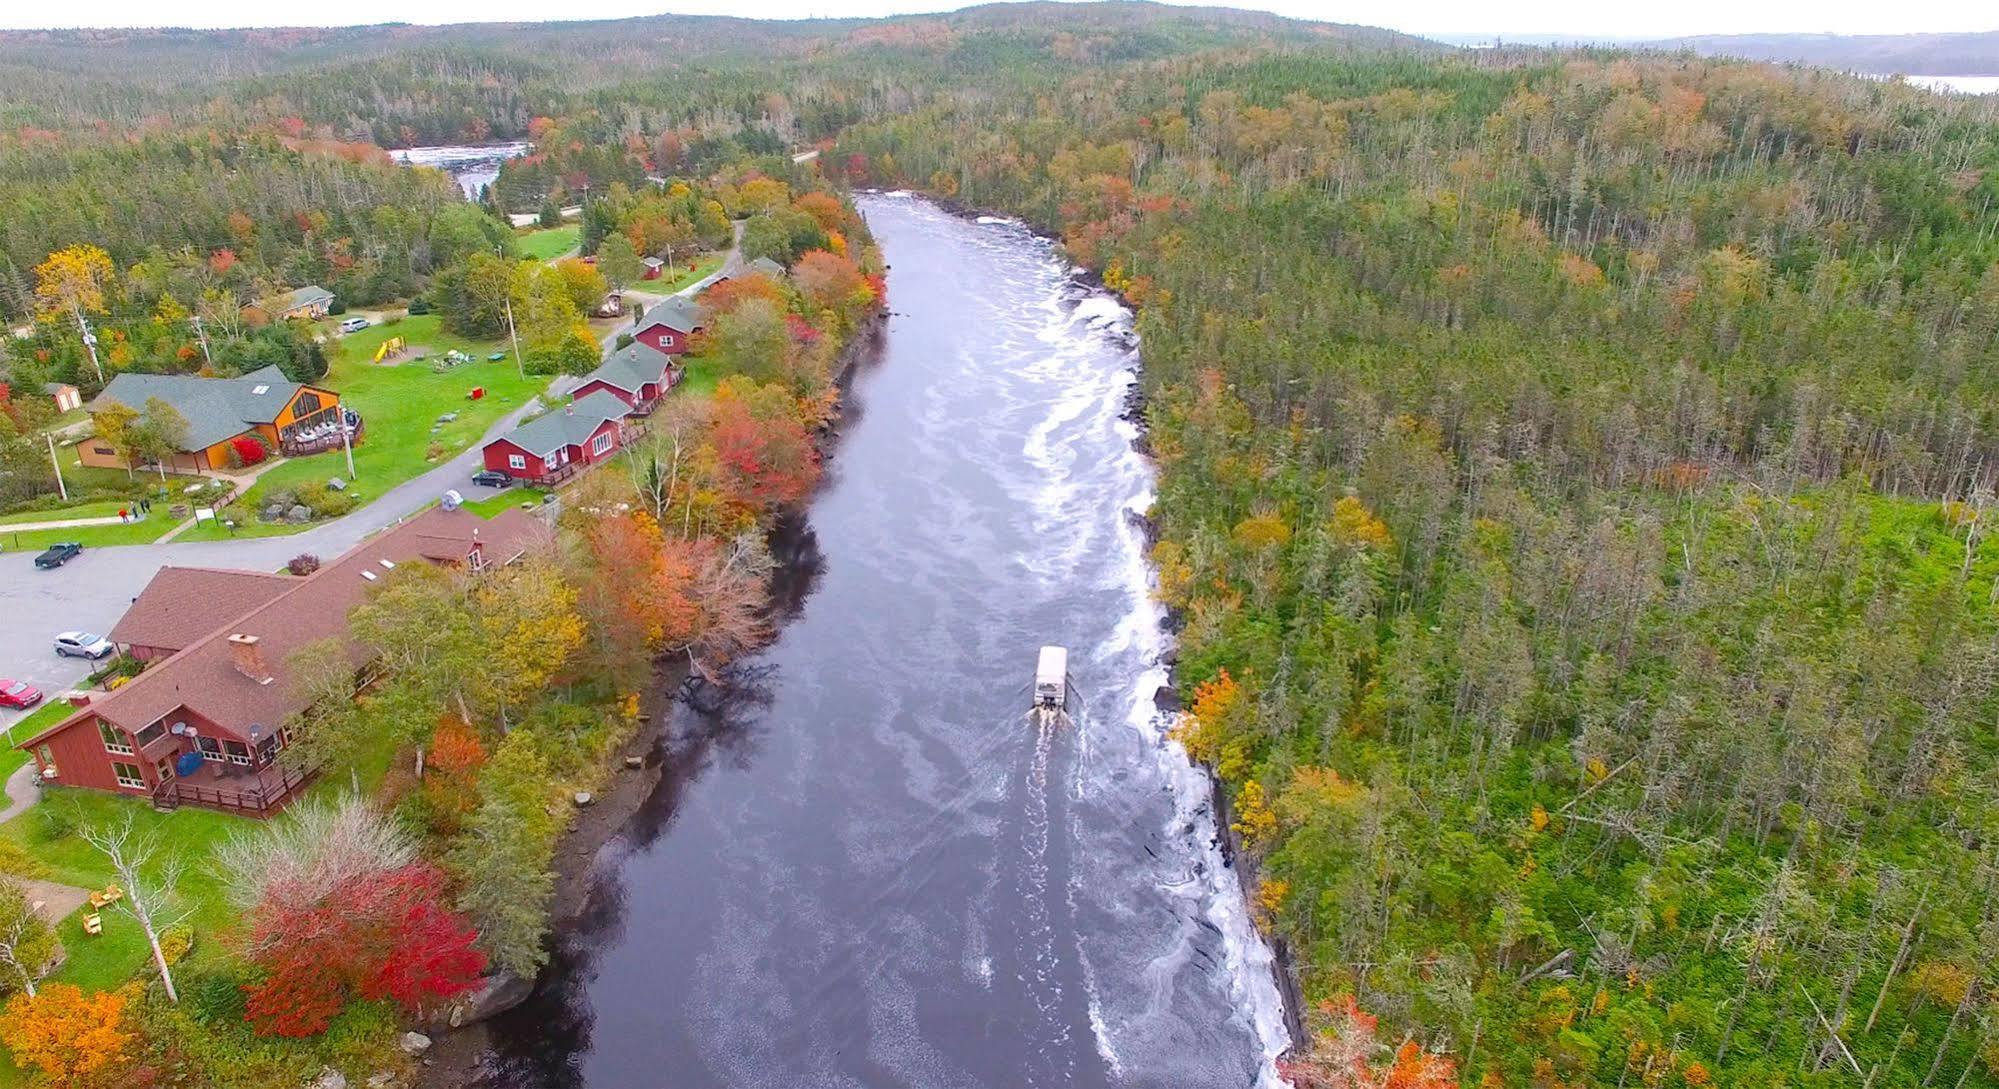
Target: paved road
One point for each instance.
(94, 589)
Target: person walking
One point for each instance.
(121, 515)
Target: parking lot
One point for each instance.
(93, 590)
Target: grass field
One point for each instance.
(88, 536)
(547, 244)
(51, 711)
(96, 508)
(507, 500)
(400, 403)
(672, 282)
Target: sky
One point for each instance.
(1570, 19)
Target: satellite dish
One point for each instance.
(452, 500)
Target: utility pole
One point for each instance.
(347, 439)
(202, 336)
(57, 464)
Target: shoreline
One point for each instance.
(1283, 966)
(457, 1055)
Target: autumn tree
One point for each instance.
(339, 905)
(27, 942)
(69, 1038)
(752, 339)
(635, 594)
(71, 283)
(833, 285)
(765, 458)
(158, 434)
(501, 858)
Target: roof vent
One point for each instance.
(369, 575)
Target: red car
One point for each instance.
(19, 694)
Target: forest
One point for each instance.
(1577, 470)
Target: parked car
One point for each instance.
(57, 555)
(82, 644)
(353, 325)
(492, 478)
(19, 694)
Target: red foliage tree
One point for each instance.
(726, 296)
(383, 935)
(764, 456)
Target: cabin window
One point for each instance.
(150, 734)
(516, 461)
(211, 749)
(239, 753)
(267, 748)
(165, 766)
(548, 462)
(129, 776)
(114, 738)
(306, 405)
(603, 443)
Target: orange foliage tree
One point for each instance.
(70, 1038)
(1349, 1056)
(765, 458)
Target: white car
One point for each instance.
(82, 644)
(353, 325)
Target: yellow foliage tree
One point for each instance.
(1354, 526)
(67, 1037)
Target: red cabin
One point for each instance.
(557, 446)
(667, 326)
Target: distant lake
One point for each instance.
(1964, 85)
(475, 166)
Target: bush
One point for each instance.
(419, 306)
(397, 317)
(246, 450)
(337, 307)
(176, 942)
(625, 340)
(305, 563)
(324, 502)
(216, 998)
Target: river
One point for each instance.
(871, 869)
(472, 166)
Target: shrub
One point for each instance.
(419, 306)
(245, 450)
(305, 563)
(397, 317)
(215, 998)
(176, 942)
(324, 501)
(625, 340)
(337, 307)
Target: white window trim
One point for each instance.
(138, 784)
(602, 443)
(115, 747)
(548, 462)
(516, 461)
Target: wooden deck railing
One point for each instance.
(259, 801)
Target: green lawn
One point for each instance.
(48, 832)
(547, 244)
(96, 508)
(671, 282)
(401, 403)
(507, 500)
(52, 711)
(89, 536)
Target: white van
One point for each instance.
(353, 325)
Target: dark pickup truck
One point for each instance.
(57, 555)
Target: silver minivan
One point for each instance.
(353, 325)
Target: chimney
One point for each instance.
(569, 409)
(249, 657)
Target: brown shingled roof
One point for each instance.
(203, 676)
(182, 604)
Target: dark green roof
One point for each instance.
(216, 409)
(676, 312)
(571, 425)
(630, 367)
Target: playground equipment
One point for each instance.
(391, 348)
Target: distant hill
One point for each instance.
(1880, 54)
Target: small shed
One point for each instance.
(67, 397)
(654, 267)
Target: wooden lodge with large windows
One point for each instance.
(206, 721)
(283, 415)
